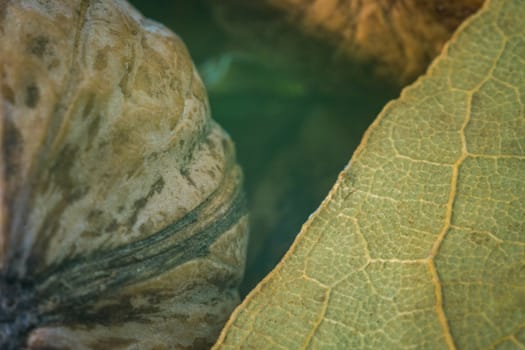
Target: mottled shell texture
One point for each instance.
(122, 219)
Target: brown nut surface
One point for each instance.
(122, 222)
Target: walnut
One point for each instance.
(122, 219)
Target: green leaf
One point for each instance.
(420, 244)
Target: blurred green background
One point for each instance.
(295, 126)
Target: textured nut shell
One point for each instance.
(114, 176)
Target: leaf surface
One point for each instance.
(420, 244)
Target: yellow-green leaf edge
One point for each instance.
(421, 242)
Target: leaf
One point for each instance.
(291, 148)
(420, 244)
(122, 222)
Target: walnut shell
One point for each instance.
(122, 218)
